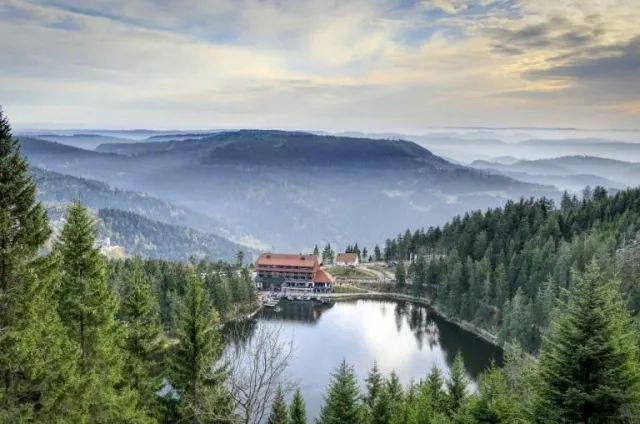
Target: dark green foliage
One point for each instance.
(279, 413)
(401, 275)
(503, 269)
(88, 311)
(457, 385)
(494, 402)
(196, 372)
(155, 239)
(589, 361)
(342, 402)
(328, 255)
(139, 312)
(375, 383)
(437, 397)
(37, 371)
(382, 412)
(297, 411)
(377, 254)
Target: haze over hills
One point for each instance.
(293, 189)
(54, 187)
(619, 173)
(83, 141)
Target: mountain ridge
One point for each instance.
(288, 188)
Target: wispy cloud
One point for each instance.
(367, 64)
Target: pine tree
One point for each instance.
(457, 385)
(139, 312)
(494, 403)
(316, 252)
(401, 275)
(341, 405)
(435, 387)
(239, 258)
(382, 412)
(589, 361)
(196, 373)
(396, 392)
(298, 410)
(37, 371)
(88, 311)
(278, 409)
(374, 385)
(377, 253)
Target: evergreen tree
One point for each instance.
(341, 404)
(37, 370)
(435, 387)
(401, 275)
(494, 403)
(589, 361)
(375, 383)
(298, 410)
(139, 312)
(279, 413)
(239, 258)
(396, 392)
(377, 253)
(88, 310)
(457, 385)
(196, 373)
(382, 412)
(316, 252)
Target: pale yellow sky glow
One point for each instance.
(376, 65)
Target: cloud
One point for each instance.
(362, 64)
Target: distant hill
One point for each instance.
(505, 160)
(572, 183)
(294, 189)
(183, 136)
(621, 172)
(159, 240)
(82, 141)
(54, 187)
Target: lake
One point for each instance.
(400, 336)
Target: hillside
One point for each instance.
(621, 172)
(54, 187)
(293, 189)
(505, 269)
(572, 183)
(81, 141)
(159, 240)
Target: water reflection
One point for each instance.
(409, 341)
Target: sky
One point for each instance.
(335, 65)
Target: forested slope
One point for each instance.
(164, 241)
(505, 269)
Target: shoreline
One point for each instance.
(464, 325)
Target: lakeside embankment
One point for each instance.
(465, 325)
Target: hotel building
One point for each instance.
(292, 273)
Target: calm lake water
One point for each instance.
(398, 335)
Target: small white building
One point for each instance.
(347, 259)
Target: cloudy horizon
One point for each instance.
(368, 65)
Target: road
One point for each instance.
(383, 274)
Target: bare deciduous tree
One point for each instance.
(258, 367)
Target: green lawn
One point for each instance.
(338, 271)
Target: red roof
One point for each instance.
(323, 276)
(287, 260)
(347, 257)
